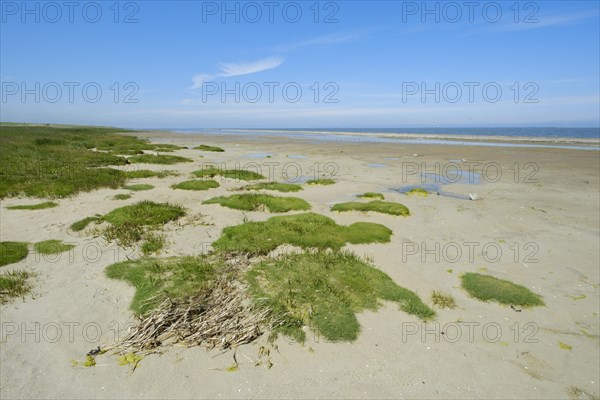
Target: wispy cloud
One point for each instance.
(237, 69)
(334, 38)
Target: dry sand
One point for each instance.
(546, 226)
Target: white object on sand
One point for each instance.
(473, 196)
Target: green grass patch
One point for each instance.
(154, 243)
(371, 195)
(14, 284)
(39, 206)
(146, 173)
(122, 196)
(320, 182)
(238, 174)
(260, 202)
(384, 207)
(325, 290)
(50, 161)
(196, 184)
(12, 252)
(52, 247)
(277, 186)
(159, 159)
(486, 288)
(309, 231)
(138, 187)
(418, 192)
(157, 279)
(442, 300)
(82, 224)
(205, 147)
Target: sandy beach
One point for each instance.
(534, 221)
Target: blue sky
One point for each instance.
(183, 64)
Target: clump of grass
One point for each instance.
(442, 300)
(138, 187)
(156, 278)
(418, 192)
(40, 206)
(324, 181)
(44, 161)
(238, 174)
(52, 247)
(82, 224)
(307, 230)
(280, 187)
(196, 184)
(14, 284)
(486, 287)
(325, 290)
(384, 207)
(154, 243)
(371, 195)
(206, 147)
(122, 196)
(159, 159)
(12, 252)
(146, 173)
(257, 202)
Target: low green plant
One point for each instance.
(238, 174)
(384, 207)
(159, 159)
(196, 184)
(14, 284)
(52, 247)
(40, 206)
(12, 252)
(325, 290)
(157, 279)
(153, 243)
(324, 181)
(138, 187)
(277, 186)
(146, 173)
(82, 224)
(418, 192)
(371, 195)
(206, 147)
(442, 300)
(309, 231)
(256, 202)
(486, 288)
(122, 196)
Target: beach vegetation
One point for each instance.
(442, 300)
(52, 247)
(275, 186)
(138, 187)
(122, 196)
(14, 284)
(260, 202)
(238, 174)
(162, 159)
(82, 224)
(371, 195)
(153, 243)
(196, 184)
(489, 288)
(39, 206)
(383, 207)
(205, 147)
(12, 252)
(322, 181)
(146, 173)
(418, 192)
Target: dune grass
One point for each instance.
(44, 161)
(259, 202)
(418, 192)
(238, 174)
(14, 284)
(52, 247)
(82, 224)
(371, 195)
(156, 279)
(121, 196)
(309, 231)
(12, 252)
(206, 147)
(146, 173)
(384, 207)
(442, 300)
(320, 182)
(154, 243)
(159, 159)
(138, 187)
(486, 288)
(196, 184)
(39, 206)
(275, 186)
(325, 290)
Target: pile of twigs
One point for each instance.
(222, 317)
